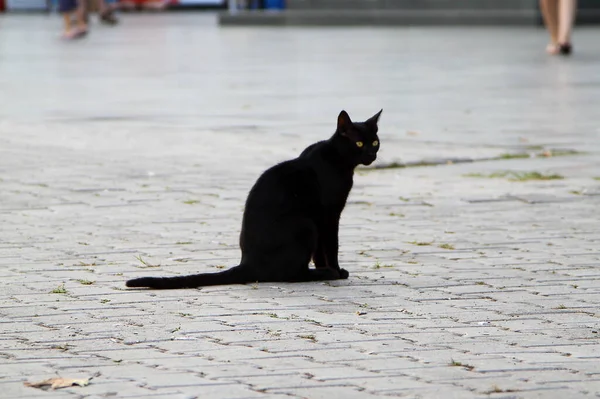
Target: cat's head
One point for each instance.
(361, 139)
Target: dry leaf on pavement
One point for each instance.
(58, 382)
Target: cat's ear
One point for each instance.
(374, 119)
(343, 123)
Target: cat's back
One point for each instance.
(311, 149)
(285, 183)
(286, 175)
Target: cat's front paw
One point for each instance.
(344, 274)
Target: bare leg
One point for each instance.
(104, 7)
(106, 12)
(101, 6)
(81, 15)
(566, 18)
(67, 23)
(126, 5)
(549, 10)
(157, 5)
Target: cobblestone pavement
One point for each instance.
(130, 153)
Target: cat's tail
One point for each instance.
(235, 275)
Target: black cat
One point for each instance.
(292, 214)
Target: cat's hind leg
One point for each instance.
(318, 257)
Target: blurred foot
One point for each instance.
(108, 18)
(553, 48)
(85, 19)
(73, 34)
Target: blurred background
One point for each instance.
(464, 75)
(352, 11)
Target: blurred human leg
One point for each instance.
(566, 19)
(71, 9)
(106, 12)
(549, 10)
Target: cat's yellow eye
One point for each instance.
(359, 144)
(375, 143)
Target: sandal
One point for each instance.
(565, 49)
